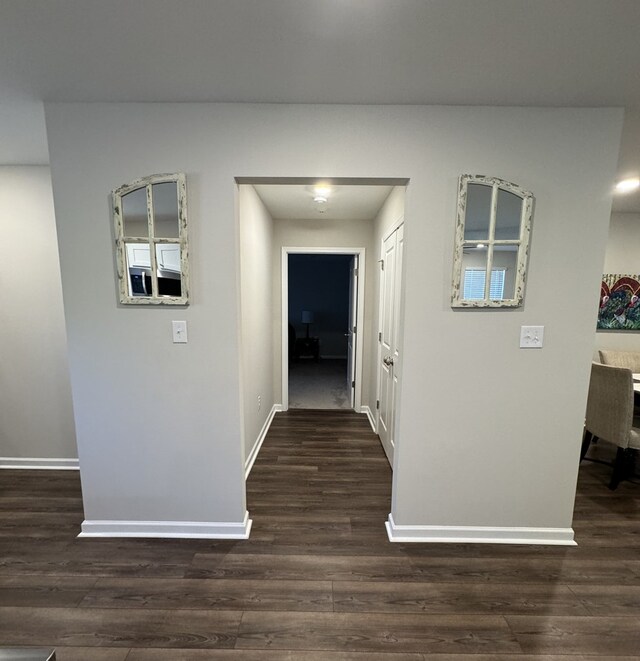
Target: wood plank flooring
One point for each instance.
(318, 580)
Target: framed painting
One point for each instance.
(619, 302)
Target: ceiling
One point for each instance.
(295, 202)
(470, 52)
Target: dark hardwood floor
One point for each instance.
(318, 579)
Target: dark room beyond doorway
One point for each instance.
(319, 304)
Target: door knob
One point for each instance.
(388, 361)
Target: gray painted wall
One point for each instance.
(489, 434)
(318, 234)
(36, 415)
(256, 263)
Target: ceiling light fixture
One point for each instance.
(320, 203)
(627, 185)
(321, 194)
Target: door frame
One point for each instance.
(393, 228)
(295, 250)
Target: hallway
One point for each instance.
(318, 579)
(321, 484)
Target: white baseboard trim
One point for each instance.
(248, 464)
(372, 420)
(479, 534)
(32, 463)
(169, 529)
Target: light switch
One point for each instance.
(179, 332)
(531, 337)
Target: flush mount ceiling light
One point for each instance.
(321, 197)
(321, 194)
(627, 185)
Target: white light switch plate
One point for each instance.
(531, 337)
(179, 332)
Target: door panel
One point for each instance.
(387, 289)
(390, 295)
(396, 299)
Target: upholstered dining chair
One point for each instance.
(610, 417)
(628, 359)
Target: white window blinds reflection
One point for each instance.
(474, 283)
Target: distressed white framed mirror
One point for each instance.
(493, 227)
(152, 252)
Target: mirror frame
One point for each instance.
(522, 242)
(121, 240)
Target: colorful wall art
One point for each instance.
(619, 302)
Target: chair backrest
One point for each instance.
(610, 404)
(628, 359)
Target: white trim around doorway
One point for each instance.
(292, 250)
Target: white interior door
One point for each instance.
(389, 366)
(352, 330)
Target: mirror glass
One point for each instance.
(168, 263)
(139, 269)
(508, 215)
(503, 273)
(478, 216)
(491, 245)
(134, 213)
(474, 270)
(151, 256)
(504, 270)
(166, 223)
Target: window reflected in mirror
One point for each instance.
(492, 236)
(151, 240)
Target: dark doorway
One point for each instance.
(319, 302)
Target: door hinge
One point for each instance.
(354, 329)
(380, 337)
(356, 272)
(377, 404)
(353, 384)
(381, 263)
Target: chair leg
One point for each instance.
(587, 437)
(624, 459)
